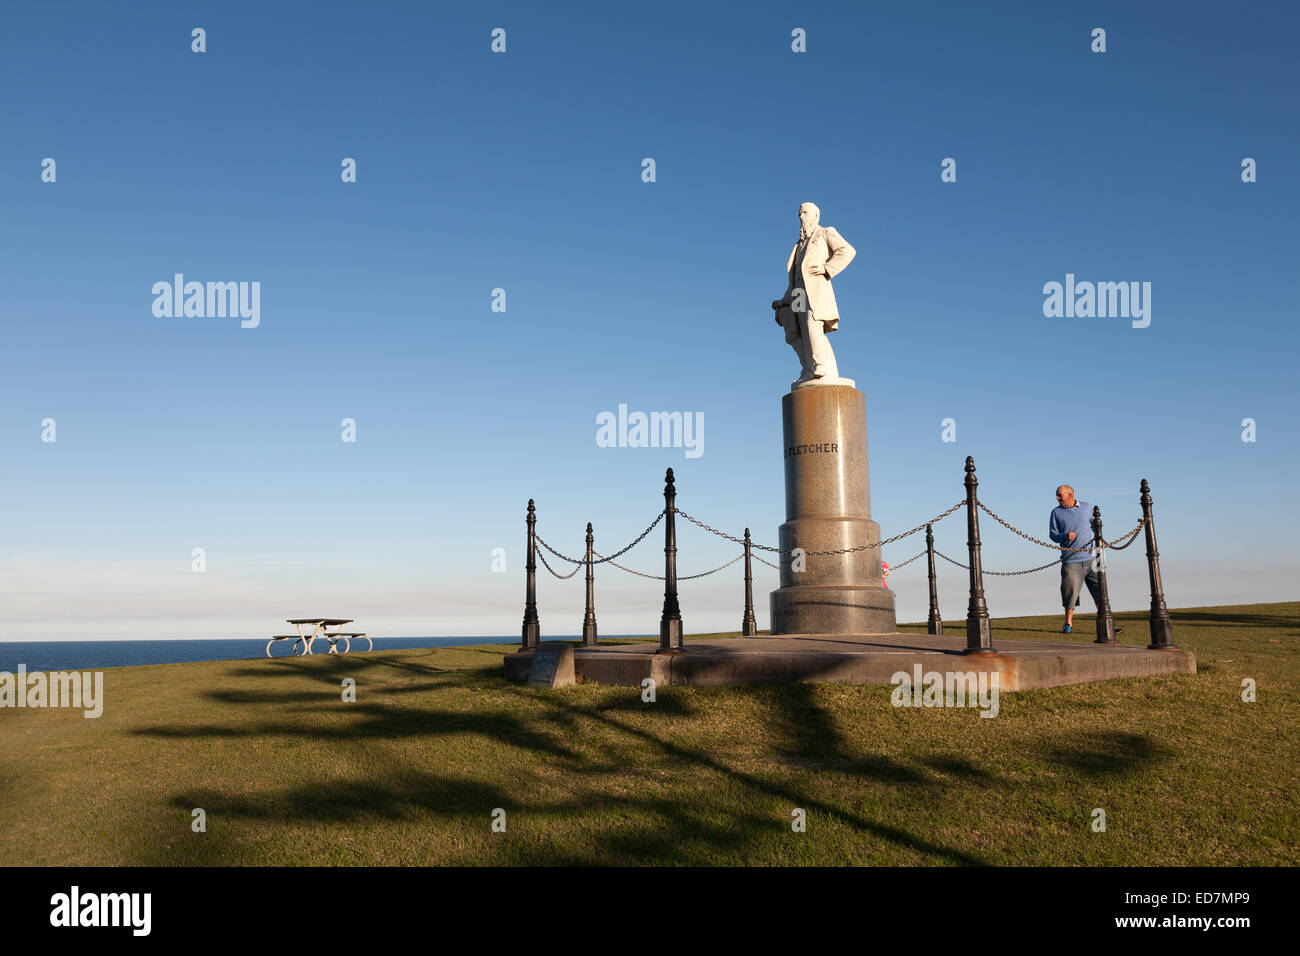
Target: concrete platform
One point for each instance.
(863, 659)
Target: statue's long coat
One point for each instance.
(828, 248)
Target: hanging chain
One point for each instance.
(1121, 547)
(1001, 574)
(562, 577)
(864, 547)
(540, 540)
(641, 538)
(1126, 540)
(680, 577)
(895, 567)
(659, 517)
(1057, 547)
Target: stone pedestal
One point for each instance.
(827, 508)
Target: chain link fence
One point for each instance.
(599, 558)
(861, 547)
(1161, 630)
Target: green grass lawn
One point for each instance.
(410, 773)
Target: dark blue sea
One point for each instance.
(93, 655)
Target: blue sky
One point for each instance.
(522, 171)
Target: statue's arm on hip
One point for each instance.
(841, 252)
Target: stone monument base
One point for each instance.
(833, 583)
(862, 659)
(832, 610)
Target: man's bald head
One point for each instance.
(1065, 495)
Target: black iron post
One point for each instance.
(979, 640)
(1105, 622)
(532, 627)
(934, 624)
(1162, 628)
(670, 625)
(748, 626)
(589, 620)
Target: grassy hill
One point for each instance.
(410, 773)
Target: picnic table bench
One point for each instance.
(320, 628)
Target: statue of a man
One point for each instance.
(807, 311)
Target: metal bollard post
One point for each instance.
(589, 620)
(1105, 621)
(979, 640)
(1162, 628)
(670, 624)
(934, 624)
(532, 627)
(748, 626)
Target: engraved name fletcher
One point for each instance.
(820, 448)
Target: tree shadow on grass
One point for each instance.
(808, 735)
(958, 767)
(668, 705)
(1246, 618)
(802, 726)
(381, 721)
(323, 667)
(551, 725)
(352, 800)
(1105, 753)
(786, 793)
(638, 828)
(1135, 623)
(245, 697)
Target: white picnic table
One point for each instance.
(320, 628)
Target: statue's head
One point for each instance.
(809, 215)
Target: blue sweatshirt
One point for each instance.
(1077, 519)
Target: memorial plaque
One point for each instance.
(552, 666)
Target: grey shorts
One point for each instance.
(1074, 575)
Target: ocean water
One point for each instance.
(94, 655)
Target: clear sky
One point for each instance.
(522, 171)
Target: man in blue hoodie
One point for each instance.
(1071, 527)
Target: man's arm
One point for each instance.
(1055, 531)
(841, 252)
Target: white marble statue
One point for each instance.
(807, 311)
